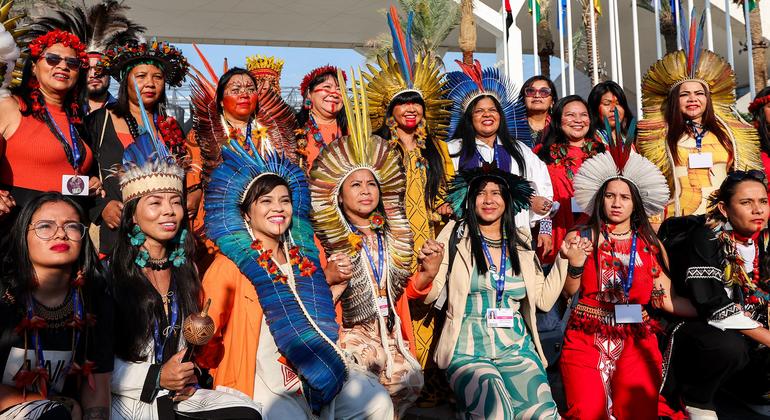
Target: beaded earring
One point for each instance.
(136, 237)
(178, 256)
(307, 103)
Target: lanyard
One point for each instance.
(499, 278)
(378, 271)
(629, 281)
(698, 135)
(483, 162)
(160, 345)
(73, 145)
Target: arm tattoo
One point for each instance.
(96, 413)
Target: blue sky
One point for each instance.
(299, 61)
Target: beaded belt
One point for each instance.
(605, 316)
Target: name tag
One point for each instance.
(628, 314)
(575, 206)
(74, 185)
(499, 318)
(382, 305)
(700, 160)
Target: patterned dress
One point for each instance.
(496, 373)
(696, 184)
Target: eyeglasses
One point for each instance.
(72, 63)
(541, 93)
(240, 90)
(752, 174)
(46, 229)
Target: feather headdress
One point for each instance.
(100, 27)
(340, 158)
(273, 114)
(470, 83)
(620, 161)
(715, 74)
(266, 68)
(148, 166)
(402, 71)
(519, 188)
(117, 61)
(301, 316)
(11, 58)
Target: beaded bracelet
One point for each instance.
(573, 271)
(546, 226)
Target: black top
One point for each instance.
(95, 343)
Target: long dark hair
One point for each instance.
(556, 134)
(760, 121)
(303, 116)
(435, 168)
(507, 224)
(18, 274)
(677, 126)
(595, 100)
(121, 108)
(223, 83)
(467, 133)
(639, 221)
(137, 303)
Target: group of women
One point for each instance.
(371, 247)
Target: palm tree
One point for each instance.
(758, 44)
(433, 21)
(545, 38)
(586, 5)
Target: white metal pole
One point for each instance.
(677, 18)
(752, 88)
(533, 3)
(594, 57)
(506, 61)
(560, 8)
(710, 33)
(729, 32)
(637, 69)
(658, 45)
(689, 7)
(617, 43)
(613, 42)
(570, 51)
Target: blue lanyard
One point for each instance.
(629, 280)
(161, 344)
(698, 135)
(499, 278)
(73, 139)
(483, 162)
(378, 271)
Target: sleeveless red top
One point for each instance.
(34, 159)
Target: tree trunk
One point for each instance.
(589, 43)
(545, 41)
(668, 30)
(759, 48)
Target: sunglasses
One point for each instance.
(752, 174)
(72, 63)
(542, 92)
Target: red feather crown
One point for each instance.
(327, 69)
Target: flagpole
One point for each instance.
(613, 43)
(594, 58)
(658, 45)
(729, 32)
(637, 69)
(676, 24)
(618, 44)
(506, 64)
(749, 43)
(533, 3)
(710, 33)
(561, 49)
(570, 52)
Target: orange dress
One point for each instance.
(329, 132)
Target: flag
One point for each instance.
(753, 4)
(563, 27)
(508, 19)
(533, 4)
(598, 7)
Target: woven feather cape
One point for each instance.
(467, 85)
(301, 320)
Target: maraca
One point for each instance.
(197, 330)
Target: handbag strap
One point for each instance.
(107, 117)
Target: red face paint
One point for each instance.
(240, 106)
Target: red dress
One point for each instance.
(561, 178)
(612, 370)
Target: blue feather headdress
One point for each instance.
(301, 319)
(148, 166)
(519, 188)
(470, 83)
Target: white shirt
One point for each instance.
(536, 173)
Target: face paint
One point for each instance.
(240, 106)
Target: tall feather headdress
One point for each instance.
(620, 161)
(273, 113)
(301, 318)
(101, 26)
(693, 63)
(402, 71)
(470, 83)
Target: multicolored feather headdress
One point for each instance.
(519, 188)
(620, 161)
(148, 166)
(274, 128)
(402, 71)
(301, 318)
(470, 83)
(266, 68)
(716, 75)
(118, 61)
(340, 158)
